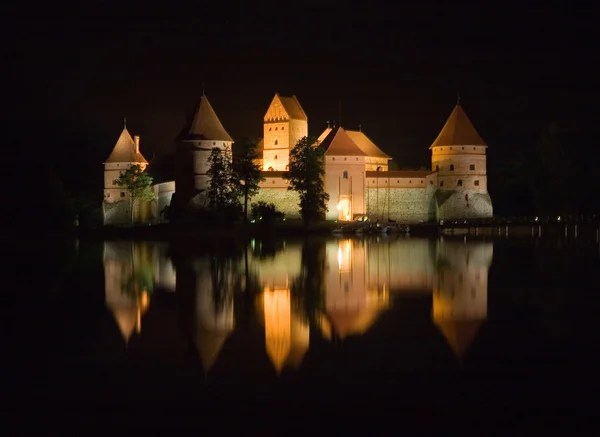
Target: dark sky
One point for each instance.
(78, 70)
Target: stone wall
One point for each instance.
(285, 200)
(452, 205)
(405, 205)
(116, 213)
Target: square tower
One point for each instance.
(285, 123)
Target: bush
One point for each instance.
(266, 212)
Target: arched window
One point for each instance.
(379, 168)
(460, 182)
(270, 168)
(451, 167)
(275, 157)
(437, 168)
(345, 174)
(275, 141)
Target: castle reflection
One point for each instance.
(332, 289)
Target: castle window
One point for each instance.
(282, 127)
(275, 157)
(459, 183)
(463, 148)
(472, 167)
(357, 159)
(273, 180)
(333, 159)
(275, 142)
(410, 182)
(114, 182)
(379, 168)
(430, 182)
(450, 148)
(476, 183)
(214, 143)
(474, 148)
(270, 168)
(345, 158)
(269, 129)
(275, 128)
(122, 194)
(437, 168)
(345, 174)
(441, 183)
(451, 167)
(421, 181)
(398, 181)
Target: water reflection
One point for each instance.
(460, 291)
(132, 270)
(331, 289)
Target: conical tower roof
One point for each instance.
(209, 344)
(125, 150)
(205, 125)
(459, 333)
(458, 131)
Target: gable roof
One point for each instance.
(458, 131)
(366, 145)
(125, 150)
(293, 108)
(338, 143)
(290, 105)
(205, 125)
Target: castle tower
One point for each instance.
(460, 291)
(200, 135)
(458, 155)
(117, 199)
(285, 123)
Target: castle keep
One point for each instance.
(357, 175)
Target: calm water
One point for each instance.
(401, 334)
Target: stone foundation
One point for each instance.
(403, 205)
(285, 200)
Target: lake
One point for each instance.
(488, 336)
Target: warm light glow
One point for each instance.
(344, 209)
(277, 311)
(345, 256)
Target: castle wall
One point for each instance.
(274, 190)
(463, 204)
(164, 193)
(404, 205)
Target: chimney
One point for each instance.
(137, 143)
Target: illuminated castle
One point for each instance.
(357, 175)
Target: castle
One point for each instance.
(357, 175)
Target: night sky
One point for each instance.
(77, 71)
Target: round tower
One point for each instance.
(116, 199)
(204, 133)
(458, 155)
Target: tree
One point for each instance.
(139, 185)
(247, 172)
(307, 169)
(223, 189)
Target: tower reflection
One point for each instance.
(128, 283)
(460, 291)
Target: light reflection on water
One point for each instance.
(332, 289)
